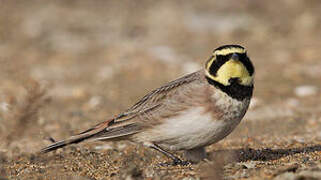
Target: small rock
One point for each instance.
(306, 90)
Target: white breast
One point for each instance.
(189, 130)
(194, 128)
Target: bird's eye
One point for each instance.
(234, 80)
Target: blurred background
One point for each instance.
(67, 65)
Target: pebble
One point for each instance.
(306, 90)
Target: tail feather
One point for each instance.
(78, 138)
(118, 132)
(102, 131)
(71, 140)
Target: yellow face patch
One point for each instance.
(230, 69)
(227, 51)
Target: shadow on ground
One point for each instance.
(249, 154)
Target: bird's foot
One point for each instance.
(180, 162)
(175, 162)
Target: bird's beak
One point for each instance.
(235, 56)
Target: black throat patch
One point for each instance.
(235, 90)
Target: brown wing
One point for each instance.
(161, 102)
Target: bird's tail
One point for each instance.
(88, 134)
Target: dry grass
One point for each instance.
(25, 113)
(25, 110)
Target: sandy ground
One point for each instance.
(67, 65)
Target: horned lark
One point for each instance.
(188, 113)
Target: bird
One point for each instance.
(187, 114)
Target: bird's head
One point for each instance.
(230, 64)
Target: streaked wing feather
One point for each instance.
(156, 97)
(155, 101)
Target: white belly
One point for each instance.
(193, 128)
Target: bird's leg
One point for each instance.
(176, 160)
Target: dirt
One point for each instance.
(67, 65)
